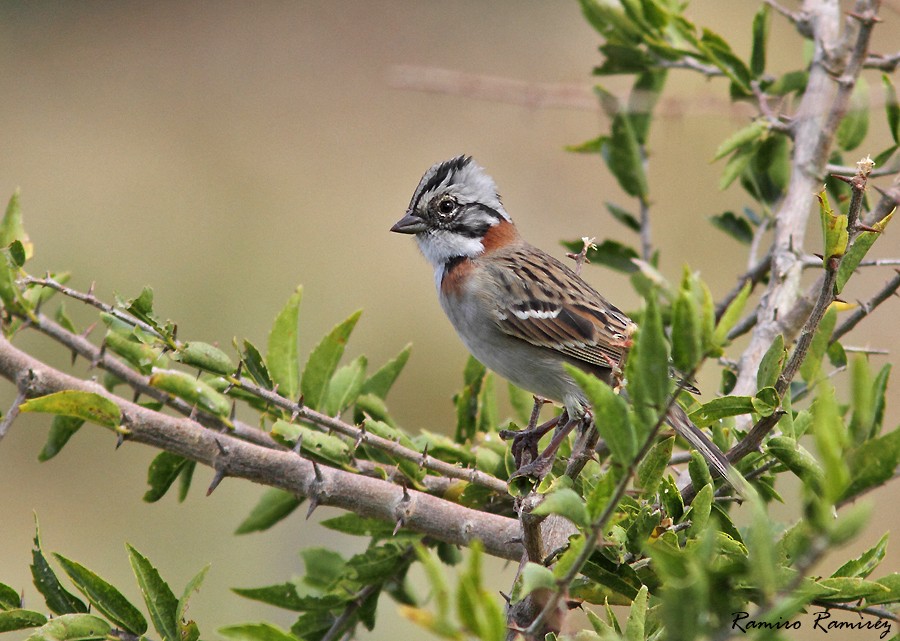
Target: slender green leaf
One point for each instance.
(256, 632)
(58, 599)
(891, 107)
(651, 469)
(522, 403)
(536, 577)
(566, 503)
(19, 619)
(722, 407)
(381, 381)
(142, 357)
(12, 229)
(163, 471)
(107, 599)
(634, 627)
(647, 369)
(863, 565)
(62, 428)
(872, 463)
(344, 387)
(731, 315)
(798, 460)
(274, 506)
(834, 229)
(687, 339)
(892, 583)
(10, 599)
(760, 40)
(623, 156)
(282, 357)
(192, 586)
(256, 367)
(73, 627)
(772, 363)
(858, 251)
(85, 405)
(741, 138)
(831, 438)
(813, 362)
(281, 596)
(624, 216)
(733, 225)
(206, 357)
(158, 596)
(323, 361)
(192, 390)
(855, 125)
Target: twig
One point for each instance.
(890, 289)
(753, 275)
(879, 613)
(11, 414)
(886, 63)
(367, 496)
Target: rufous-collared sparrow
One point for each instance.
(518, 310)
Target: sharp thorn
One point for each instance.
(313, 504)
(90, 291)
(233, 411)
(120, 438)
(298, 446)
(843, 178)
(397, 527)
(217, 478)
(317, 471)
(223, 451)
(136, 396)
(193, 415)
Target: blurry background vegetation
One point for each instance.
(225, 152)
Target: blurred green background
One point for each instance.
(226, 152)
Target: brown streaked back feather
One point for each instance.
(555, 308)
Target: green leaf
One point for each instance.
(107, 599)
(719, 53)
(858, 250)
(855, 125)
(62, 428)
(610, 415)
(798, 460)
(851, 589)
(256, 632)
(206, 357)
(323, 361)
(741, 138)
(10, 599)
(872, 463)
(737, 164)
(282, 357)
(192, 586)
(274, 506)
(700, 510)
(609, 253)
(142, 357)
(811, 365)
(687, 339)
(892, 583)
(58, 599)
(647, 369)
(163, 471)
(834, 229)
(772, 363)
(566, 503)
(12, 229)
(19, 619)
(325, 448)
(73, 627)
(731, 316)
(735, 226)
(645, 94)
(281, 596)
(760, 39)
(487, 405)
(624, 216)
(623, 156)
(863, 565)
(158, 596)
(634, 627)
(536, 577)
(831, 438)
(323, 567)
(722, 407)
(192, 390)
(256, 367)
(355, 525)
(466, 400)
(891, 107)
(380, 382)
(344, 387)
(85, 405)
(650, 470)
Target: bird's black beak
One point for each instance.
(409, 224)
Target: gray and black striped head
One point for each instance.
(453, 207)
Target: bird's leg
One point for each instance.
(583, 450)
(525, 442)
(542, 464)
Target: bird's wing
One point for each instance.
(546, 304)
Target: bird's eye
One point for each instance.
(446, 205)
